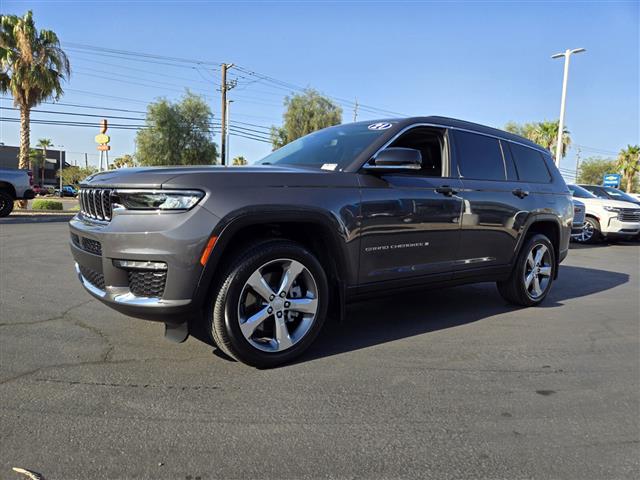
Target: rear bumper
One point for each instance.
(175, 240)
(28, 194)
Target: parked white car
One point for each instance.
(606, 218)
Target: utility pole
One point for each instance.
(86, 161)
(567, 55)
(223, 89)
(577, 163)
(229, 102)
(355, 111)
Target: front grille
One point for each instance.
(94, 278)
(629, 215)
(96, 203)
(147, 283)
(92, 246)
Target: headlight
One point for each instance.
(611, 209)
(158, 199)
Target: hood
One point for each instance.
(218, 177)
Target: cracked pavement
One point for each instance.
(454, 384)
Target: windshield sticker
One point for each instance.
(329, 166)
(379, 126)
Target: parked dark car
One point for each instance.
(612, 193)
(257, 256)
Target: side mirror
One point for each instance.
(395, 158)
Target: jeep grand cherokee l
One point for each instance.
(259, 255)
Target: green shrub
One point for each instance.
(41, 204)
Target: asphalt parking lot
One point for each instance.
(441, 384)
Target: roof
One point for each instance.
(463, 124)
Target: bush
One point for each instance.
(41, 204)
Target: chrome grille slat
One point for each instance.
(96, 203)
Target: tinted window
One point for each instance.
(580, 192)
(479, 156)
(619, 195)
(530, 164)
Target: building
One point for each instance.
(9, 159)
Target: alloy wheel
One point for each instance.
(586, 233)
(538, 270)
(278, 305)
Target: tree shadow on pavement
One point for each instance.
(382, 320)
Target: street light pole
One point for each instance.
(567, 55)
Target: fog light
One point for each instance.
(139, 265)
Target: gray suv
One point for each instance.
(257, 256)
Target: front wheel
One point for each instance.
(270, 305)
(590, 233)
(533, 273)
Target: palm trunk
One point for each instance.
(44, 162)
(23, 161)
(24, 138)
(629, 183)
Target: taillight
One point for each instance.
(30, 173)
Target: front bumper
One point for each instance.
(615, 227)
(174, 239)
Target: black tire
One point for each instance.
(223, 320)
(6, 204)
(515, 289)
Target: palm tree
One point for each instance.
(44, 143)
(33, 69)
(629, 164)
(543, 133)
(546, 134)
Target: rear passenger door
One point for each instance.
(495, 206)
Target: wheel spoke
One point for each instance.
(545, 271)
(530, 260)
(290, 273)
(304, 305)
(282, 334)
(528, 279)
(536, 286)
(253, 322)
(540, 254)
(260, 286)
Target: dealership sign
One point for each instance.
(611, 180)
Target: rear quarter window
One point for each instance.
(530, 164)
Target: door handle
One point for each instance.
(446, 190)
(518, 192)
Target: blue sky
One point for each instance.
(487, 62)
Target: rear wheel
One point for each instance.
(532, 276)
(6, 204)
(270, 305)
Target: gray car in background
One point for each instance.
(15, 185)
(257, 256)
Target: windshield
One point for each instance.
(330, 149)
(619, 195)
(580, 192)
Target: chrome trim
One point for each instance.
(122, 295)
(374, 168)
(88, 285)
(447, 127)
